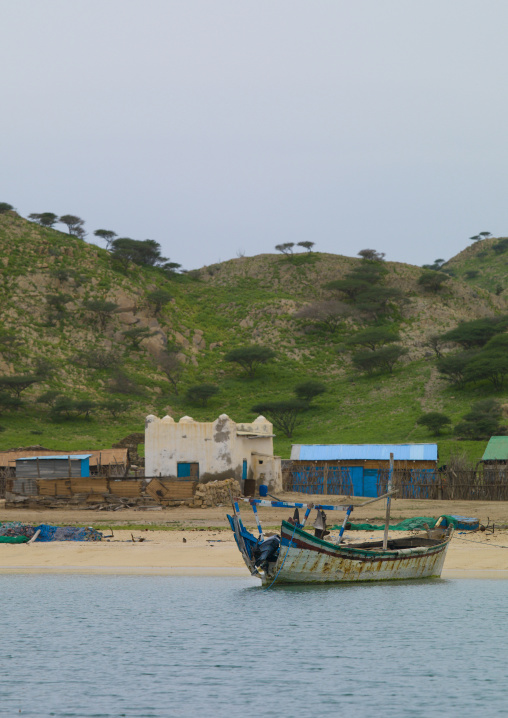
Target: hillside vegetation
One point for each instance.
(52, 288)
(483, 264)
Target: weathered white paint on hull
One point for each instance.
(303, 558)
(304, 566)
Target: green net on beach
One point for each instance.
(406, 525)
(417, 524)
(14, 539)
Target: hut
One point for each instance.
(495, 460)
(496, 451)
(31, 468)
(355, 469)
(103, 462)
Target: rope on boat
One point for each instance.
(283, 562)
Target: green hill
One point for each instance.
(49, 279)
(483, 264)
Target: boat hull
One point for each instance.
(312, 560)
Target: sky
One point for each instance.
(225, 127)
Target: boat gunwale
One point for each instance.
(337, 550)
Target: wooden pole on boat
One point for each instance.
(309, 507)
(388, 502)
(343, 527)
(258, 522)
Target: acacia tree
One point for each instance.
(116, 407)
(435, 342)
(453, 366)
(145, 252)
(350, 286)
(201, 393)
(327, 315)
(434, 421)
(249, 358)
(159, 298)
(372, 254)
(490, 366)
(285, 415)
(481, 235)
(101, 310)
(432, 281)
(5, 207)
(138, 334)
(477, 332)
(307, 245)
(482, 421)
(383, 359)
(169, 363)
(75, 225)
(45, 219)
(19, 383)
(373, 337)
(286, 248)
(106, 235)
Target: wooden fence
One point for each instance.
(488, 483)
(317, 480)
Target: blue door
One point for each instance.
(244, 470)
(370, 482)
(356, 473)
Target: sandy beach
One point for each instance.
(192, 541)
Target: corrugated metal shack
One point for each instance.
(53, 467)
(31, 468)
(355, 469)
(105, 462)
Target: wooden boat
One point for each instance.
(297, 556)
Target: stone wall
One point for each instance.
(216, 493)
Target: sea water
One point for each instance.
(157, 646)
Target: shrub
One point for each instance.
(309, 390)
(116, 407)
(477, 332)
(434, 422)
(501, 245)
(380, 360)
(481, 422)
(201, 393)
(373, 337)
(453, 366)
(249, 358)
(372, 254)
(432, 281)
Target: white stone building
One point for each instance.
(212, 451)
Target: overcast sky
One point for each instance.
(221, 126)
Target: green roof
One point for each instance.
(497, 449)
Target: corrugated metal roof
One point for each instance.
(72, 457)
(352, 452)
(102, 457)
(497, 449)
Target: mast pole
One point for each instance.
(388, 502)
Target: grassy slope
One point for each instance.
(235, 303)
(480, 257)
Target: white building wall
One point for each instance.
(219, 447)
